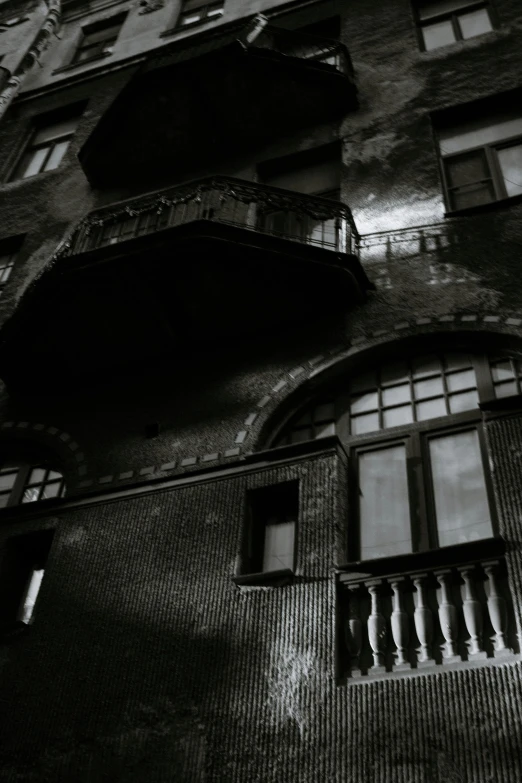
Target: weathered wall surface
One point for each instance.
(146, 662)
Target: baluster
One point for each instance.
(376, 628)
(497, 610)
(423, 618)
(472, 613)
(448, 618)
(399, 625)
(353, 629)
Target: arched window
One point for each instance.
(28, 478)
(413, 428)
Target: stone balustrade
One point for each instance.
(425, 619)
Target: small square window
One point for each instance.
(442, 22)
(98, 39)
(196, 12)
(48, 144)
(271, 529)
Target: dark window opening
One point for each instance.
(270, 535)
(98, 39)
(23, 564)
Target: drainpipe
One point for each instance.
(37, 47)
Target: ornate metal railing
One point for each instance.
(306, 219)
(427, 618)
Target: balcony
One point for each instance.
(207, 263)
(426, 618)
(215, 95)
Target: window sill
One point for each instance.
(265, 579)
(5, 27)
(491, 206)
(72, 66)
(458, 554)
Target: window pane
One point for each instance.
(30, 595)
(3, 500)
(53, 474)
(384, 513)
(472, 196)
(298, 436)
(36, 476)
(323, 430)
(279, 546)
(51, 490)
(364, 403)
(463, 402)
(458, 483)
(367, 423)
(364, 382)
(215, 11)
(510, 160)
(425, 365)
(394, 373)
(461, 380)
(428, 388)
(54, 131)
(456, 361)
(34, 162)
(56, 156)
(506, 389)
(396, 394)
(189, 18)
(394, 417)
(431, 409)
(474, 23)
(30, 495)
(466, 169)
(7, 479)
(438, 34)
(502, 371)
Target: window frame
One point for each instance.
(204, 18)
(94, 27)
(453, 17)
(21, 483)
(39, 123)
(493, 166)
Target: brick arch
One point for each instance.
(51, 437)
(324, 368)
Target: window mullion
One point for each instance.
(498, 180)
(17, 492)
(419, 524)
(485, 386)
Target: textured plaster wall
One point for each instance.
(146, 663)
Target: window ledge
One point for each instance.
(459, 554)
(181, 28)
(5, 27)
(265, 579)
(72, 66)
(502, 203)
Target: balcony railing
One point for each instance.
(427, 618)
(310, 220)
(292, 43)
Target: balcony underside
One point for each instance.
(199, 286)
(173, 118)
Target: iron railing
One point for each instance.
(292, 43)
(310, 220)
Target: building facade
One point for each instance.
(261, 510)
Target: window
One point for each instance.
(199, 11)
(8, 250)
(47, 145)
(25, 483)
(442, 22)
(22, 570)
(418, 461)
(270, 534)
(482, 160)
(98, 39)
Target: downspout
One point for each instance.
(38, 46)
